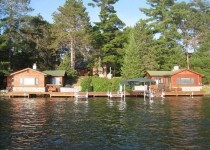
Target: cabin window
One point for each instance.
(185, 81)
(56, 80)
(29, 81)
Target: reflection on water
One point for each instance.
(101, 123)
(120, 103)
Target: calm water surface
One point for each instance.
(100, 123)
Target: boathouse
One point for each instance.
(176, 80)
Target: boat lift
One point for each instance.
(146, 83)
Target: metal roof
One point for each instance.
(169, 73)
(55, 72)
(160, 73)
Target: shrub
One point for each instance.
(86, 83)
(100, 84)
(115, 84)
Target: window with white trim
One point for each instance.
(185, 81)
(29, 81)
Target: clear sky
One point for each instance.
(127, 10)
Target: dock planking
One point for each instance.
(98, 94)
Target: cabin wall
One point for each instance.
(195, 79)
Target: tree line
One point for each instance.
(173, 33)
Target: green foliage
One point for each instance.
(108, 37)
(140, 55)
(115, 83)
(131, 66)
(65, 65)
(171, 30)
(100, 84)
(71, 28)
(164, 27)
(200, 61)
(86, 83)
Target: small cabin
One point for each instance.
(26, 80)
(32, 80)
(176, 80)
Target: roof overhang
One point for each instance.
(20, 71)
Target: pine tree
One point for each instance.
(131, 66)
(200, 59)
(109, 35)
(139, 54)
(71, 24)
(166, 33)
(144, 39)
(12, 17)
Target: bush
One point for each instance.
(86, 83)
(100, 84)
(115, 84)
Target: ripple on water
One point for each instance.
(98, 123)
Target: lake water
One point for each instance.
(100, 123)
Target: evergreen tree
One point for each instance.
(131, 66)
(109, 35)
(71, 24)
(192, 21)
(143, 35)
(38, 41)
(139, 53)
(12, 15)
(64, 65)
(200, 59)
(166, 33)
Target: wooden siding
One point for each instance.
(186, 74)
(14, 79)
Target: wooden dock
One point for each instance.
(97, 94)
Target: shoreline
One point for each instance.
(99, 94)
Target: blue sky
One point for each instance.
(127, 10)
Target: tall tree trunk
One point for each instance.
(72, 49)
(188, 62)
